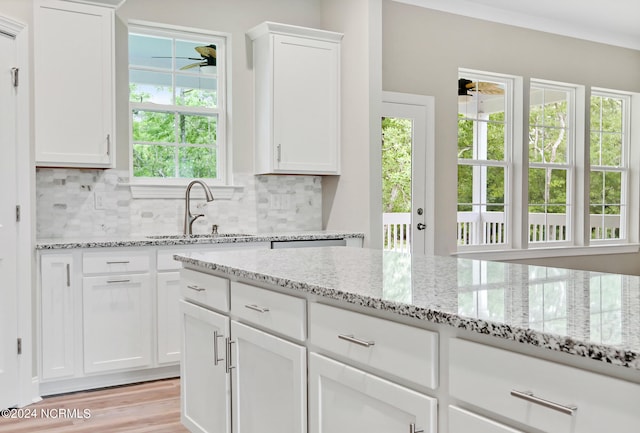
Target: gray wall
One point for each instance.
(422, 51)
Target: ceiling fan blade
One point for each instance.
(194, 65)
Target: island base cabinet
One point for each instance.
(269, 383)
(205, 385)
(462, 421)
(116, 322)
(547, 396)
(345, 399)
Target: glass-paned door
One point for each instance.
(403, 177)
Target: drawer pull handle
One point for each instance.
(216, 335)
(256, 308)
(528, 396)
(118, 262)
(412, 429)
(352, 339)
(68, 275)
(118, 281)
(196, 288)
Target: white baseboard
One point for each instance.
(104, 380)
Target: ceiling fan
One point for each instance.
(208, 57)
(466, 86)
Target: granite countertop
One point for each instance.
(588, 314)
(161, 240)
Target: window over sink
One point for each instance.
(177, 100)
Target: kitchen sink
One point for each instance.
(201, 236)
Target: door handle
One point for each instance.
(421, 226)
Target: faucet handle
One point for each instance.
(214, 229)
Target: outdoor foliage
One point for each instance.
(159, 139)
(396, 164)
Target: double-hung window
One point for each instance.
(609, 174)
(484, 159)
(177, 99)
(551, 163)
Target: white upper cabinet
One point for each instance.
(74, 84)
(297, 99)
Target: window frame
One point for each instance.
(624, 168)
(151, 187)
(507, 163)
(581, 243)
(571, 166)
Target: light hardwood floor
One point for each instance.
(140, 408)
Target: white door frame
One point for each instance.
(428, 102)
(28, 391)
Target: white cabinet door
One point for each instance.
(344, 399)
(305, 105)
(57, 313)
(117, 322)
(168, 317)
(74, 84)
(269, 383)
(205, 385)
(297, 99)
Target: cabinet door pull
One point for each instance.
(216, 335)
(279, 152)
(126, 280)
(412, 429)
(68, 275)
(118, 262)
(229, 342)
(352, 339)
(108, 144)
(528, 396)
(256, 308)
(196, 288)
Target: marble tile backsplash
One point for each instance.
(66, 206)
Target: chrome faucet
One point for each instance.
(188, 217)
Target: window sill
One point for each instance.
(540, 253)
(220, 192)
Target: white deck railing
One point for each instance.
(489, 228)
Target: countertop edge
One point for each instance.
(142, 241)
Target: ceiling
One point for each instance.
(613, 22)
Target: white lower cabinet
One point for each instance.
(57, 316)
(345, 399)
(116, 322)
(168, 317)
(463, 421)
(205, 382)
(269, 383)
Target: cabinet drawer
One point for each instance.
(488, 378)
(207, 290)
(270, 310)
(115, 262)
(401, 350)
(462, 421)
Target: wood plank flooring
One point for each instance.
(140, 408)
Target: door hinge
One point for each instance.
(15, 76)
(18, 213)
(19, 346)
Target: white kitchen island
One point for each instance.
(330, 340)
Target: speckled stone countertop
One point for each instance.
(161, 240)
(588, 314)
